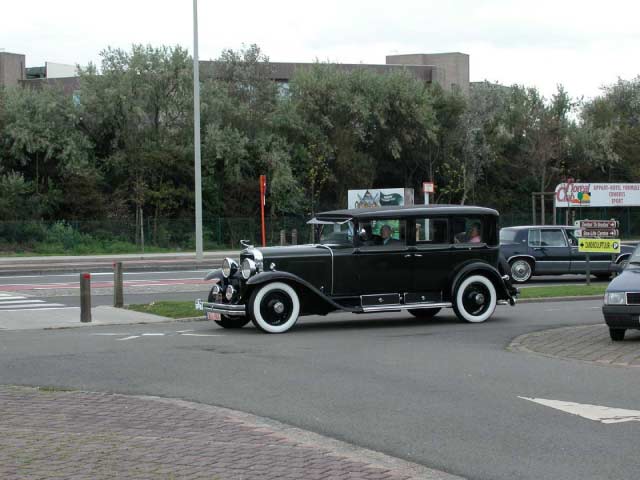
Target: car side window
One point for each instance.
(468, 230)
(571, 235)
(547, 238)
(432, 231)
(382, 233)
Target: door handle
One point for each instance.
(417, 254)
(408, 255)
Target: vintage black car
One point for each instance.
(553, 250)
(419, 258)
(621, 307)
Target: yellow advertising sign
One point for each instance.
(599, 245)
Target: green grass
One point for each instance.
(562, 291)
(170, 309)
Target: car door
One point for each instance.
(430, 257)
(550, 249)
(383, 264)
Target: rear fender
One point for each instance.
(312, 300)
(483, 268)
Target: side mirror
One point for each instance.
(616, 268)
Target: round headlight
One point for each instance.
(229, 293)
(248, 268)
(229, 267)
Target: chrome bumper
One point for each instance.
(223, 308)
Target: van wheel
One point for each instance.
(475, 299)
(424, 312)
(521, 270)
(274, 307)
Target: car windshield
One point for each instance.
(336, 233)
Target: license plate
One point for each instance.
(213, 316)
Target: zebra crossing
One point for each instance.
(10, 302)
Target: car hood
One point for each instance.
(627, 281)
(292, 251)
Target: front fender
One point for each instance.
(480, 267)
(215, 275)
(315, 298)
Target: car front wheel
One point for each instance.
(475, 299)
(521, 270)
(617, 334)
(274, 307)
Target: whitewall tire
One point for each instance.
(475, 299)
(274, 307)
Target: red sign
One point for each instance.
(428, 187)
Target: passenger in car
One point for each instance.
(474, 234)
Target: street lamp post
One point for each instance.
(196, 134)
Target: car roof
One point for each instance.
(526, 227)
(407, 211)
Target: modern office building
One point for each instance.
(450, 70)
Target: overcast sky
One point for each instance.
(581, 44)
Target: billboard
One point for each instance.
(60, 70)
(379, 197)
(597, 195)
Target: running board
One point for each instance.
(398, 307)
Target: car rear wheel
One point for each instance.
(274, 307)
(424, 312)
(475, 299)
(617, 334)
(521, 270)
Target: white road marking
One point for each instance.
(7, 302)
(592, 412)
(2, 299)
(200, 335)
(40, 306)
(184, 331)
(153, 334)
(106, 334)
(75, 275)
(129, 338)
(39, 309)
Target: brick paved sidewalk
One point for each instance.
(77, 435)
(590, 343)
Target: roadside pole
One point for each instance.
(85, 297)
(588, 270)
(196, 136)
(118, 294)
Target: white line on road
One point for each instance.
(40, 309)
(8, 302)
(130, 338)
(108, 273)
(184, 331)
(39, 306)
(2, 299)
(106, 334)
(153, 334)
(592, 412)
(200, 335)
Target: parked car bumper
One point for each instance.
(622, 316)
(231, 310)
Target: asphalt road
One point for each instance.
(441, 393)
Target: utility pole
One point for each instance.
(196, 134)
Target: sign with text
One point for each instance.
(574, 194)
(600, 224)
(598, 233)
(600, 245)
(428, 187)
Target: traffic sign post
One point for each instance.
(427, 188)
(597, 236)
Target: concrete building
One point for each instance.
(450, 70)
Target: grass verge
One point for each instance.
(170, 309)
(562, 291)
